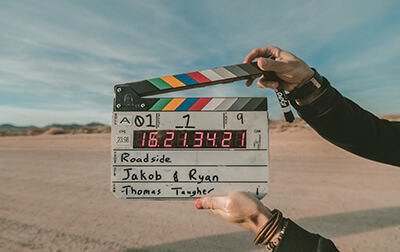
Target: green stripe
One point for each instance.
(160, 104)
(160, 84)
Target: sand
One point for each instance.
(54, 196)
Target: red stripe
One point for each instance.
(197, 106)
(198, 77)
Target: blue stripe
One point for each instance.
(186, 79)
(186, 104)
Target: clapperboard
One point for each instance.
(181, 148)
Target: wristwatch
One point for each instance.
(312, 88)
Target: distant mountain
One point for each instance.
(53, 129)
(75, 126)
(12, 128)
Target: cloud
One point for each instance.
(44, 117)
(66, 55)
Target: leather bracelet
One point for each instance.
(275, 242)
(260, 237)
(315, 83)
(270, 230)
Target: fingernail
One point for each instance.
(275, 85)
(263, 61)
(198, 204)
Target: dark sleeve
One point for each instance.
(297, 239)
(347, 125)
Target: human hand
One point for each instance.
(239, 208)
(293, 71)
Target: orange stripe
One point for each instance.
(174, 82)
(172, 105)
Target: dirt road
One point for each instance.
(54, 196)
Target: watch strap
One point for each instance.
(316, 82)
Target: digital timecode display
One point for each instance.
(189, 139)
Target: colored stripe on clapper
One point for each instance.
(174, 82)
(200, 104)
(185, 79)
(187, 104)
(160, 84)
(199, 77)
(173, 104)
(160, 104)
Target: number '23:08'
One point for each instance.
(189, 139)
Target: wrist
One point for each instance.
(309, 91)
(272, 231)
(260, 221)
(310, 98)
(307, 77)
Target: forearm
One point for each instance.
(297, 239)
(347, 125)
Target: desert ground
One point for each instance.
(54, 196)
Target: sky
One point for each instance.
(59, 60)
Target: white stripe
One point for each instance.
(226, 104)
(210, 74)
(211, 105)
(224, 72)
(286, 109)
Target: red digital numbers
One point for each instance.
(168, 139)
(211, 139)
(226, 141)
(198, 139)
(182, 137)
(189, 139)
(153, 139)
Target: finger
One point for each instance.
(267, 64)
(209, 202)
(262, 52)
(249, 82)
(264, 83)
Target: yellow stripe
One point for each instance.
(174, 82)
(172, 105)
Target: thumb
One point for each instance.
(209, 202)
(267, 64)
